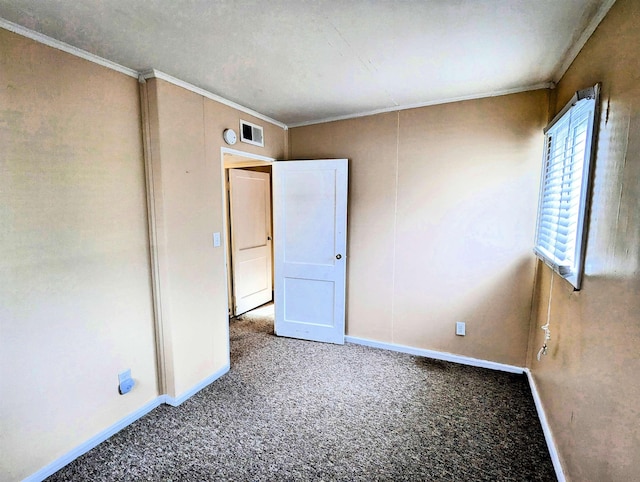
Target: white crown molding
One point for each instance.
(560, 70)
(573, 51)
(70, 49)
(83, 54)
(156, 74)
(497, 93)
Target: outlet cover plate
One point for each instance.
(460, 328)
(125, 375)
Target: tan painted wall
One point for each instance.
(75, 293)
(441, 219)
(371, 212)
(590, 380)
(186, 137)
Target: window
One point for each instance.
(565, 186)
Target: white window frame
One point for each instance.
(565, 186)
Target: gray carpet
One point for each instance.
(294, 410)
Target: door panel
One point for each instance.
(313, 192)
(250, 215)
(298, 292)
(310, 216)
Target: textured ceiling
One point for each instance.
(301, 61)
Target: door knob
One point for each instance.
(338, 256)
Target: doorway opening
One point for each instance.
(261, 319)
(309, 225)
(249, 227)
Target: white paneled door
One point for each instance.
(310, 236)
(250, 215)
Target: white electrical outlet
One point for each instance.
(125, 382)
(460, 328)
(216, 240)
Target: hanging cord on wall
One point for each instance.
(545, 327)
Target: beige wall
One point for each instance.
(589, 382)
(372, 173)
(75, 295)
(441, 218)
(186, 137)
(76, 305)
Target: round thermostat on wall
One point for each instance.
(230, 136)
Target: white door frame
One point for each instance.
(248, 160)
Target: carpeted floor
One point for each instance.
(292, 410)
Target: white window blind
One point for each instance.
(564, 190)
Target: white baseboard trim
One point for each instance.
(437, 355)
(83, 448)
(175, 401)
(553, 452)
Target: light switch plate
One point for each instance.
(216, 240)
